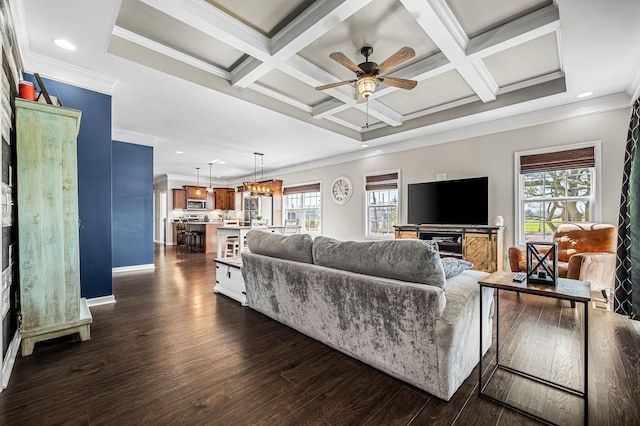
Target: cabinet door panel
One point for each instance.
(179, 199)
(477, 249)
(231, 199)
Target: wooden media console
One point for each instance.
(482, 245)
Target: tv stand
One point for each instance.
(482, 245)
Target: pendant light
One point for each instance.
(198, 181)
(262, 187)
(210, 187)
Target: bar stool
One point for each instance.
(181, 235)
(194, 239)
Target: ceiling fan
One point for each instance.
(368, 73)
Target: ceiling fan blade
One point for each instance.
(399, 82)
(342, 59)
(332, 85)
(396, 59)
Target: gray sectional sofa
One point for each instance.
(386, 303)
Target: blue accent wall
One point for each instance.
(94, 183)
(132, 187)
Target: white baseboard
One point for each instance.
(12, 352)
(102, 300)
(133, 268)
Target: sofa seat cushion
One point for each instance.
(406, 260)
(296, 247)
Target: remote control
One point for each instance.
(519, 277)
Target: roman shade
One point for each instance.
(383, 181)
(301, 189)
(558, 160)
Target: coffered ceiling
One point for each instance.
(226, 78)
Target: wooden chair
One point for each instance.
(232, 245)
(290, 226)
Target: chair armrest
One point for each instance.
(596, 268)
(517, 259)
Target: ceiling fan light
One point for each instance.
(367, 85)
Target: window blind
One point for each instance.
(384, 181)
(301, 189)
(559, 160)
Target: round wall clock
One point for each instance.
(341, 190)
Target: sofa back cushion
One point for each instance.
(406, 260)
(296, 247)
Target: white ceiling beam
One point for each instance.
(344, 123)
(437, 20)
(531, 82)
(315, 21)
(279, 96)
(210, 20)
(526, 28)
(328, 108)
(168, 51)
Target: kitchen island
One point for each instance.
(208, 232)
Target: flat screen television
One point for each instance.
(449, 202)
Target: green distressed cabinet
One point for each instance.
(48, 235)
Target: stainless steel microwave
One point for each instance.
(196, 204)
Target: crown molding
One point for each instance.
(67, 73)
(122, 135)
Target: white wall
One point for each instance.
(158, 232)
(491, 156)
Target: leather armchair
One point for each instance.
(586, 252)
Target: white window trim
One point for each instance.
(311, 182)
(597, 199)
(365, 222)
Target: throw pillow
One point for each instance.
(453, 266)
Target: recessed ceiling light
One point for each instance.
(364, 145)
(179, 152)
(65, 44)
(585, 94)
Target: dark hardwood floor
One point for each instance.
(172, 352)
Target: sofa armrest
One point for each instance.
(596, 268)
(517, 259)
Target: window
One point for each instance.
(381, 198)
(555, 188)
(303, 203)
